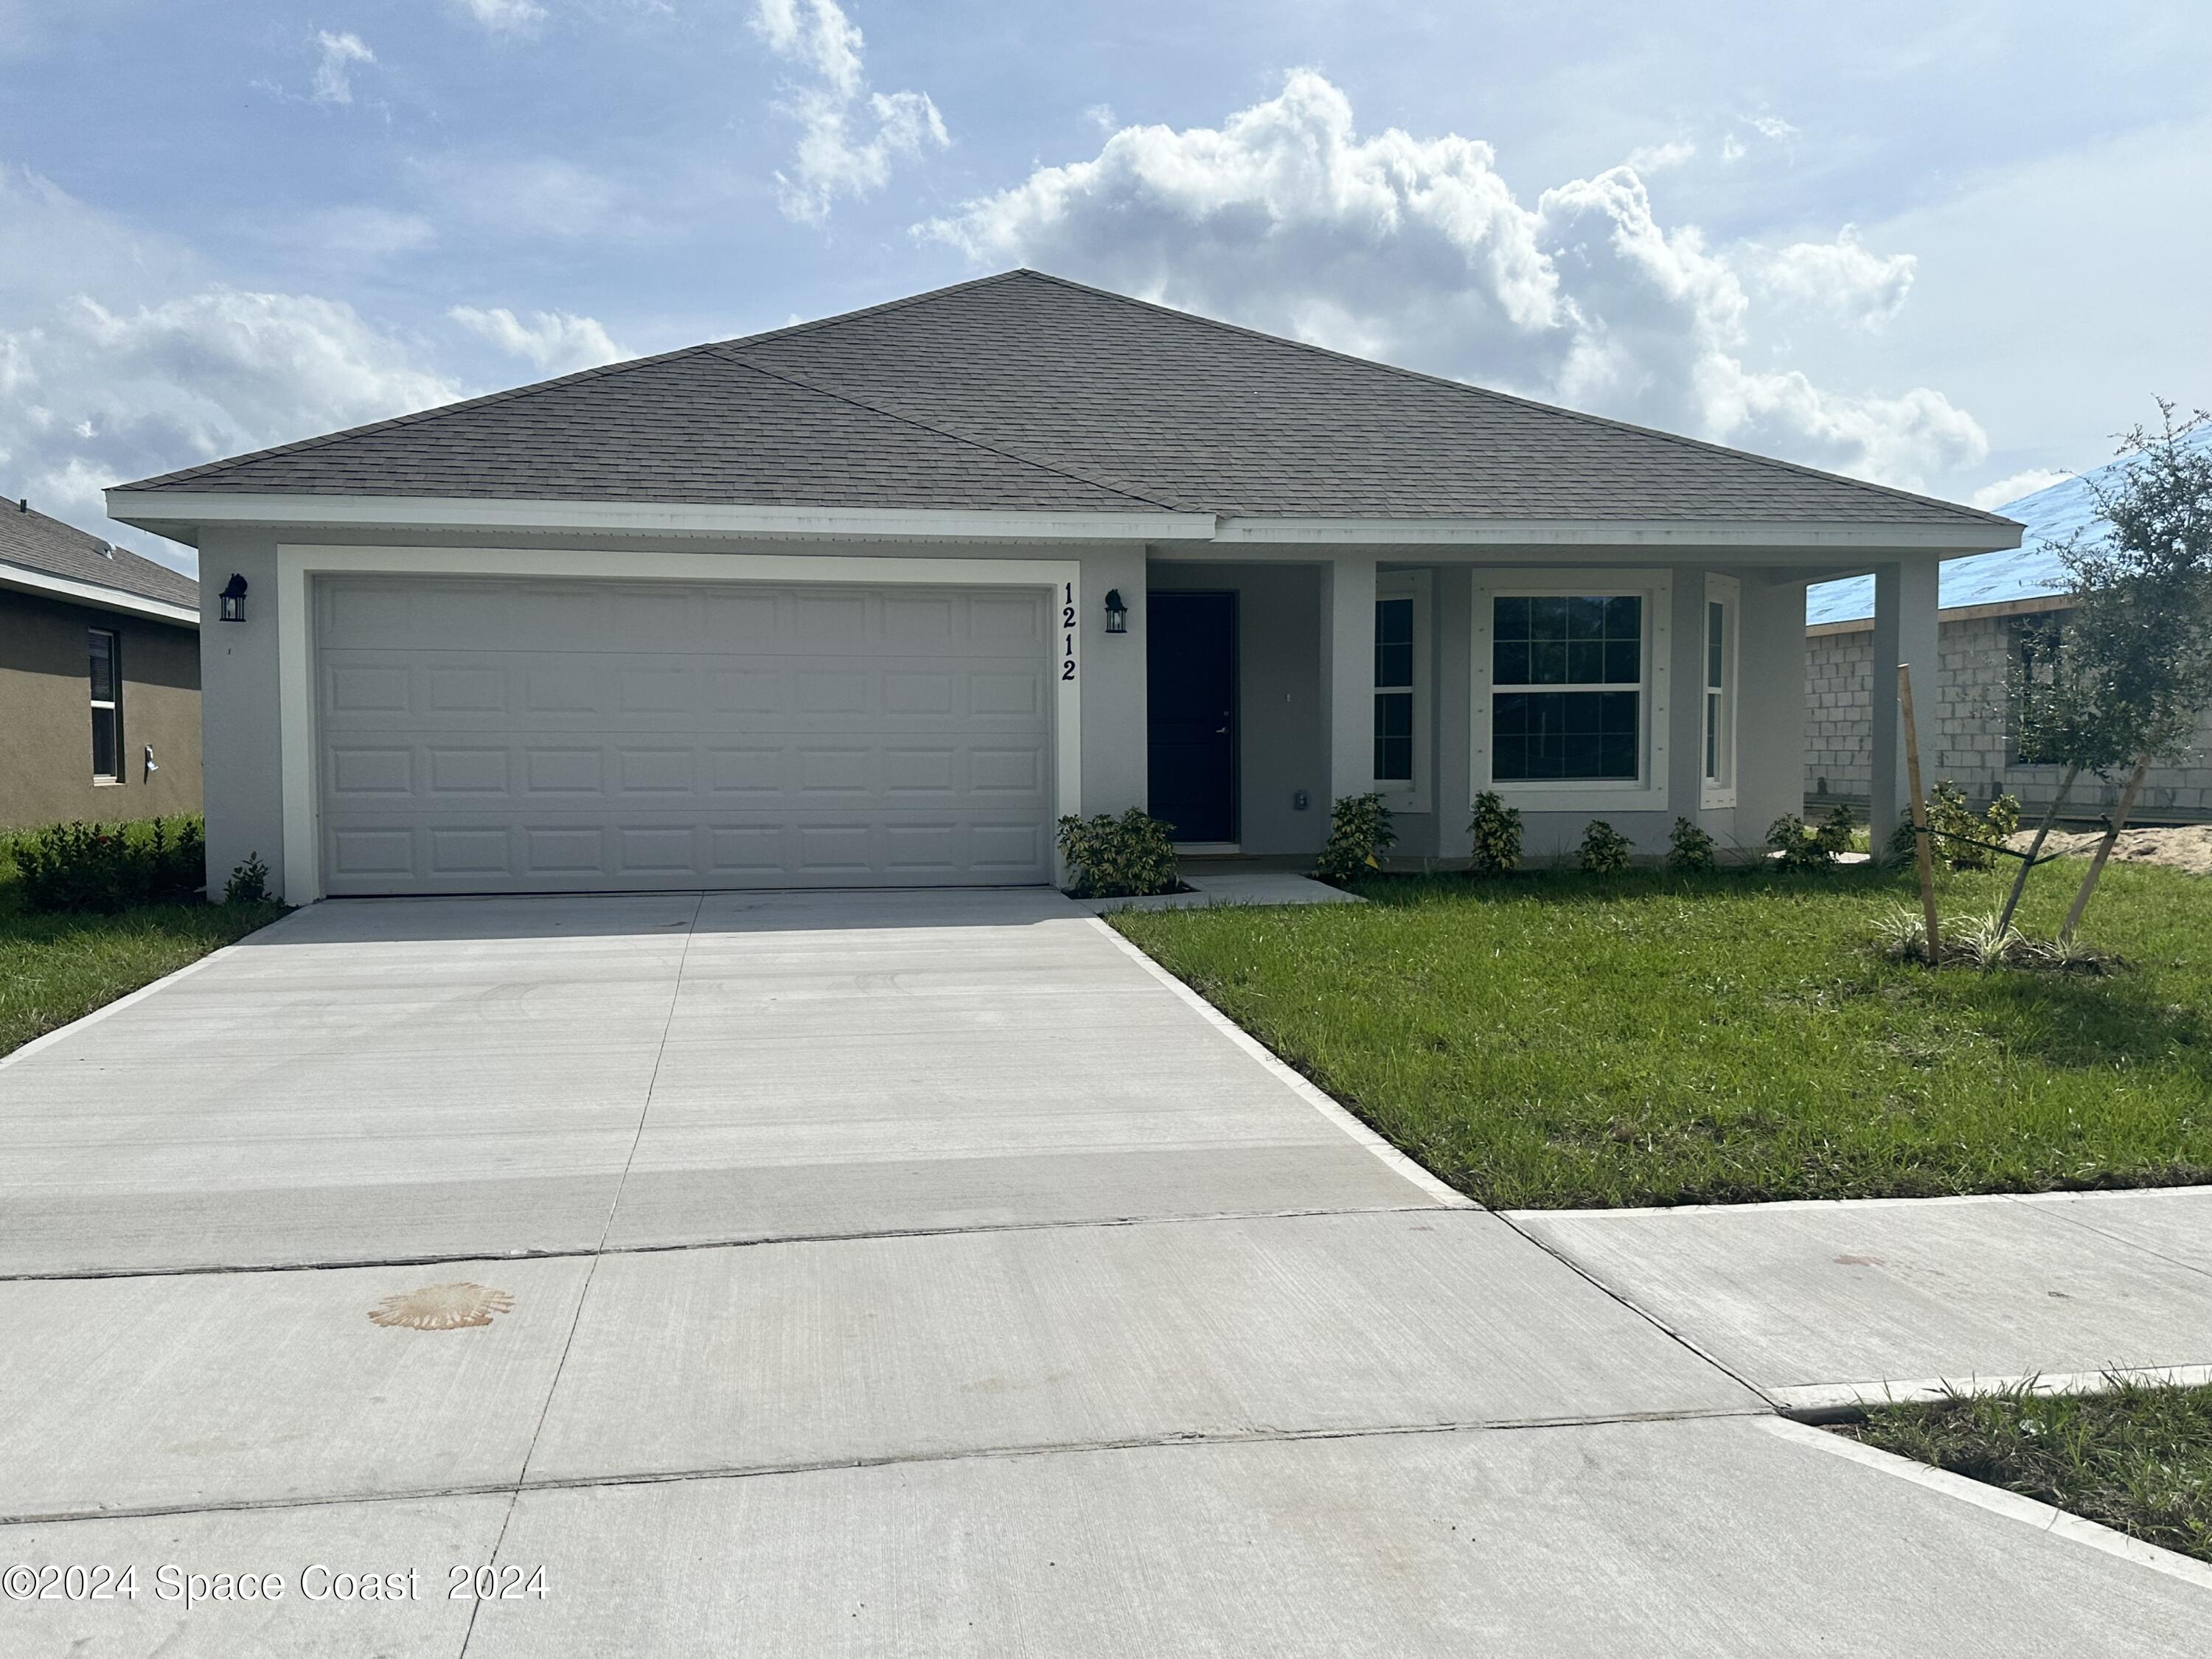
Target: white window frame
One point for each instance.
(1648, 793)
(1409, 795)
(111, 705)
(1726, 592)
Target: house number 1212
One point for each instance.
(1068, 634)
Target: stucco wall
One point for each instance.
(45, 719)
(1971, 747)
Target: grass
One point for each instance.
(1554, 1040)
(58, 968)
(2137, 1459)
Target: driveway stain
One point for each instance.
(442, 1306)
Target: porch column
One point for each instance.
(1347, 673)
(1904, 631)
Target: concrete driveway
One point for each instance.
(862, 1273)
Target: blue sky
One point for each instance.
(1954, 247)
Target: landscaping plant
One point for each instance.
(105, 867)
(1496, 828)
(1689, 848)
(1126, 857)
(1801, 846)
(1835, 830)
(1359, 829)
(1604, 850)
(248, 882)
(2131, 671)
(1955, 830)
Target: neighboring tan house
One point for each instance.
(874, 600)
(99, 677)
(1996, 609)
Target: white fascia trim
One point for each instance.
(140, 507)
(107, 599)
(298, 743)
(1777, 534)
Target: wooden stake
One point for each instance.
(1922, 841)
(2105, 848)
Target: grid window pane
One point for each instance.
(1565, 734)
(1713, 653)
(1393, 736)
(103, 665)
(1712, 736)
(107, 740)
(1567, 640)
(1394, 642)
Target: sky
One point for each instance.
(1954, 247)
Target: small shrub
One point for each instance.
(1604, 851)
(1955, 827)
(248, 882)
(1904, 842)
(1799, 843)
(1359, 829)
(1496, 828)
(107, 867)
(1836, 830)
(1126, 857)
(1689, 848)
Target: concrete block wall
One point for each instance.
(1971, 744)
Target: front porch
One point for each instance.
(1634, 691)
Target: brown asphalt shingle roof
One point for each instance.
(1028, 391)
(31, 540)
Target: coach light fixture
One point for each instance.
(234, 599)
(1117, 614)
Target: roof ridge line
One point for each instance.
(881, 305)
(1469, 388)
(728, 353)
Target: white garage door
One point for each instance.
(544, 736)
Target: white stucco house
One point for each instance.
(874, 600)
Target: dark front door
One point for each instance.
(1191, 692)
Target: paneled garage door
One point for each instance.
(535, 736)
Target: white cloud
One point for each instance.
(333, 81)
(2005, 491)
(1732, 149)
(504, 16)
(1656, 158)
(557, 342)
(848, 136)
(1416, 250)
(1771, 126)
(96, 395)
(1841, 278)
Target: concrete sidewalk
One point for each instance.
(1823, 1305)
(887, 1274)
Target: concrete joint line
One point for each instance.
(1829, 1402)
(1173, 1438)
(1997, 1500)
(344, 1264)
(1333, 1110)
(2064, 1210)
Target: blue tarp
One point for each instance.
(2025, 572)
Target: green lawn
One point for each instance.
(1554, 1040)
(55, 969)
(2138, 1459)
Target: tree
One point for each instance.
(2131, 670)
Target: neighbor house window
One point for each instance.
(1567, 687)
(2034, 641)
(1719, 738)
(1401, 716)
(107, 706)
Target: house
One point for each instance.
(99, 677)
(875, 600)
(1994, 609)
